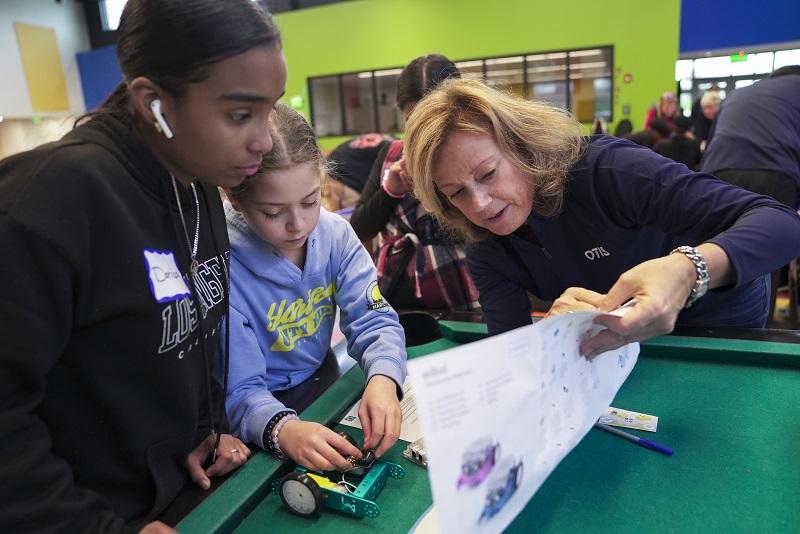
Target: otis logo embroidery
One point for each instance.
(375, 300)
(301, 318)
(595, 253)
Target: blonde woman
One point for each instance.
(590, 222)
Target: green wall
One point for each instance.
(374, 34)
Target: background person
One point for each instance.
(681, 145)
(114, 295)
(704, 111)
(418, 266)
(624, 128)
(667, 110)
(656, 132)
(350, 164)
(755, 142)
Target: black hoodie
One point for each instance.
(102, 388)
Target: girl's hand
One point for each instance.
(575, 299)
(231, 454)
(660, 287)
(315, 446)
(380, 414)
(397, 181)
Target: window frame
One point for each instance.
(483, 59)
(694, 92)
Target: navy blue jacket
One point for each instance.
(625, 204)
(758, 127)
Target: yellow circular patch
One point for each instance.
(376, 294)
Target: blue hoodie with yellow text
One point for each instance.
(282, 317)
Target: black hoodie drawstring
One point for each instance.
(206, 368)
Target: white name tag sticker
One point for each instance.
(166, 281)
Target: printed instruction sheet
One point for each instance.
(498, 415)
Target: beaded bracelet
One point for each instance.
(276, 446)
(266, 436)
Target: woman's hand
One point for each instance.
(231, 454)
(315, 446)
(380, 414)
(660, 287)
(397, 180)
(575, 299)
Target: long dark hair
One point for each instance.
(421, 76)
(172, 42)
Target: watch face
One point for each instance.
(298, 497)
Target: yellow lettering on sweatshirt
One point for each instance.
(299, 319)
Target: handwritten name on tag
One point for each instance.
(166, 282)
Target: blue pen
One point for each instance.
(636, 439)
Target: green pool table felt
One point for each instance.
(729, 408)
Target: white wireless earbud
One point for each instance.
(161, 123)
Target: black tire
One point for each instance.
(301, 495)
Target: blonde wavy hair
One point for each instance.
(541, 140)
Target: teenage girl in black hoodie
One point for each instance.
(113, 276)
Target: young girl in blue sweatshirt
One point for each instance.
(292, 264)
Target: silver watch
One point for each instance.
(701, 283)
